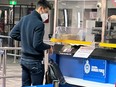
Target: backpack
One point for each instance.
(54, 73)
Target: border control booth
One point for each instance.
(82, 59)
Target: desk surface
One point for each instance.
(98, 53)
(107, 54)
(86, 83)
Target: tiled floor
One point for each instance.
(12, 69)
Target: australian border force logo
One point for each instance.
(87, 67)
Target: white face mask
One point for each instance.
(44, 16)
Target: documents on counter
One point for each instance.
(84, 52)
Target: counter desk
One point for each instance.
(99, 67)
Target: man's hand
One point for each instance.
(50, 51)
(112, 18)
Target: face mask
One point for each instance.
(44, 17)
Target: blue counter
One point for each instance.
(98, 70)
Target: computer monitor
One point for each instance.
(98, 24)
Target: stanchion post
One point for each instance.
(45, 64)
(103, 11)
(0, 61)
(0, 55)
(4, 69)
(56, 83)
(15, 52)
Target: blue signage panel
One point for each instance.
(95, 70)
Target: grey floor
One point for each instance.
(12, 69)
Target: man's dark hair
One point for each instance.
(43, 3)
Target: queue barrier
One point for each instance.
(3, 62)
(47, 85)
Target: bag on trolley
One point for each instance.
(54, 73)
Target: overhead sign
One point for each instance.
(13, 2)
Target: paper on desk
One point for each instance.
(84, 52)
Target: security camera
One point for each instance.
(98, 5)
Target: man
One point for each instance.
(30, 31)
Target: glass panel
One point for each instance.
(79, 16)
(111, 25)
(92, 22)
(70, 17)
(67, 33)
(88, 19)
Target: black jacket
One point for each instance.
(30, 31)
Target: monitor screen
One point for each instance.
(98, 24)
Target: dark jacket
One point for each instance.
(30, 31)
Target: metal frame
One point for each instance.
(15, 51)
(104, 12)
(3, 77)
(14, 12)
(55, 15)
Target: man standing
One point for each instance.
(30, 31)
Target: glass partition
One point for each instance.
(78, 15)
(87, 19)
(111, 23)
